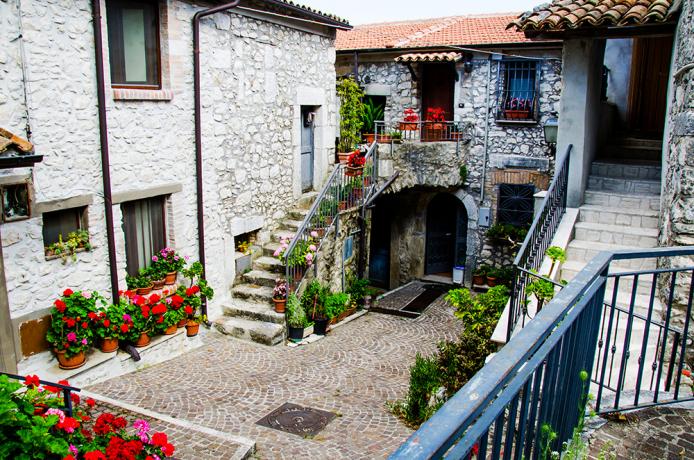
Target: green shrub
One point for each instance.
(461, 299)
(357, 289)
(336, 304)
(424, 380)
(296, 316)
(351, 109)
(313, 300)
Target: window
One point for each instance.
(58, 225)
(516, 204)
(133, 40)
(517, 90)
(15, 202)
(145, 231)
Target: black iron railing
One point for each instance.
(66, 389)
(424, 131)
(537, 382)
(532, 251)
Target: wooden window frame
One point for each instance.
(130, 231)
(115, 37)
(3, 191)
(80, 214)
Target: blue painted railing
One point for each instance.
(533, 384)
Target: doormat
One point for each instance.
(423, 300)
(291, 418)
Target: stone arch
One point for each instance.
(473, 238)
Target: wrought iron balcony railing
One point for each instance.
(424, 131)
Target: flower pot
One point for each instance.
(144, 340)
(385, 138)
(296, 334)
(343, 206)
(73, 362)
(320, 326)
(109, 345)
(341, 316)
(478, 279)
(158, 284)
(516, 114)
(192, 328)
(144, 290)
(171, 330)
(350, 311)
(408, 126)
(182, 322)
(320, 231)
(433, 132)
(369, 138)
(333, 320)
(343, 156)
(491, 281)
(354, 171)
(280, 304)
(170, 278)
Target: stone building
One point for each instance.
(496, 89)
(267, 76)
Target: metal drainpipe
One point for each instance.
(486, 133)
(103, 138)
(198, 130)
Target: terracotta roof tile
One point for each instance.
(429, 57)
(573, 14)
(7, 140)
(454, 30)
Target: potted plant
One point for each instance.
(492, 277)
(410, 120)
(157, 275)
(193, 296)
(479, 275)
(370, 115)
(396, 136)
(171, 262)
(351, 109)
(279, 295)
(76, 241)
(355, 164)
(243, 257)
(296, 318)
(164, 316)
(69, 332)
(433, 126)
(518, 108)
(110, 324)
(357, 290)
(313, 303)
(336, 306)
(140, 283)
(140, 318)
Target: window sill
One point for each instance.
(131, 94)
(67, 256)
(512, 122)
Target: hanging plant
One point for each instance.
(351, 111)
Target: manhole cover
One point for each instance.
(304, 421)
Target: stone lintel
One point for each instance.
(64, 203)
(503, 161)
(132, 195)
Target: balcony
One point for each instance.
(423, 131)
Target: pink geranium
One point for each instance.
(71, 336)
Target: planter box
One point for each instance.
(408, 126)
(517, 114)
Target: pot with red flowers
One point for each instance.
(167, 313)
(193, 296)
(111, 324)
(70, 333)
(139, 319)
(355, 164)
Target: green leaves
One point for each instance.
(351, 109)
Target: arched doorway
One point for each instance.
(446, 235)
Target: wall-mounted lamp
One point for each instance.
(551, 128)
(467, 66)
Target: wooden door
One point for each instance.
(442, 219)
(379, 257)
(438, 86)
(650, 67)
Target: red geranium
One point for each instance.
(94, 455)
(70, 322)
(176, 300)
(59, 305)
(159, 309)
(31, 381)
(107, 323)
(159, 439)
(154, 298)
(124, 328)
(355, 160)
(68, 292)
(69, 425)
(90, 402)
(188, 309)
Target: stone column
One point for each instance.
(579, 115)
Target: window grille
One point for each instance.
(517, 90)
(516, 204)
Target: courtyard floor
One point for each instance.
(228, 385)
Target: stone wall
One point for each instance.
(256, 75)
(332, 263)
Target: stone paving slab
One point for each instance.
(395, 300)
(229, 385)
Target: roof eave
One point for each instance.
(327, 20)
(543, 43)
(664, 28)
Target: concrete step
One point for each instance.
(616, 234)
(263, 312)
(622, 200)
(306, 200)
(270, 248)
(612, 184)
(278, 235)
(291, 225)
(260, 278)
(638, 142)
(254, 331)
(571, 268)
(268, 264)
(585, 251)
(297, 214)
(253, 293)
(632, 152)
(641, 302)
(643, 218)
(626, 171)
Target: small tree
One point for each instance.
(351, 110)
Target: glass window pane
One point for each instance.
(134, 50)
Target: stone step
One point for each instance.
(270, 248)
(638, 142)
(297, 214)
(268, 264)
(622, 200)
(612, 184)
(306, 200)
(254, 331)
(641, 302)
(643, 218)
(616, 234)
(278, 235)
(291, 225)
(260, 278)
(626, 171)
(585, 251)
(571, 268)
(253, 293)
(263, 312)
(632, 152)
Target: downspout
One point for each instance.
(103, 139)
(486, 133)
(198, 130)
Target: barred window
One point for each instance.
(516, 203)
(517, 89)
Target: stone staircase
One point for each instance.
(250, 314)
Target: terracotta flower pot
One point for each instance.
(354, 172)
(408, 126)
(280, 305)
(144, 340)
(478, 279)
(369, 138)
(343, 156)
(192, 328)
(156, 285)
(385, 138)
(109, 345)
(182, 322)
(144, 290)
(350, 311)
(170, 278)
(491, 281)
(73, 362)
(171, 330)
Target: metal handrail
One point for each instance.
(540, 235)
(67, 389)
(334, 189)
(460, 132)
(535, 380)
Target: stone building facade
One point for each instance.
(258, 70)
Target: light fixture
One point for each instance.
(551, 128)
(467, 67)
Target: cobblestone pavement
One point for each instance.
(653, 433)
(228, 384)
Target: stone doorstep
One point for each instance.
(314, 338)
(102, 366)
(246, 446)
